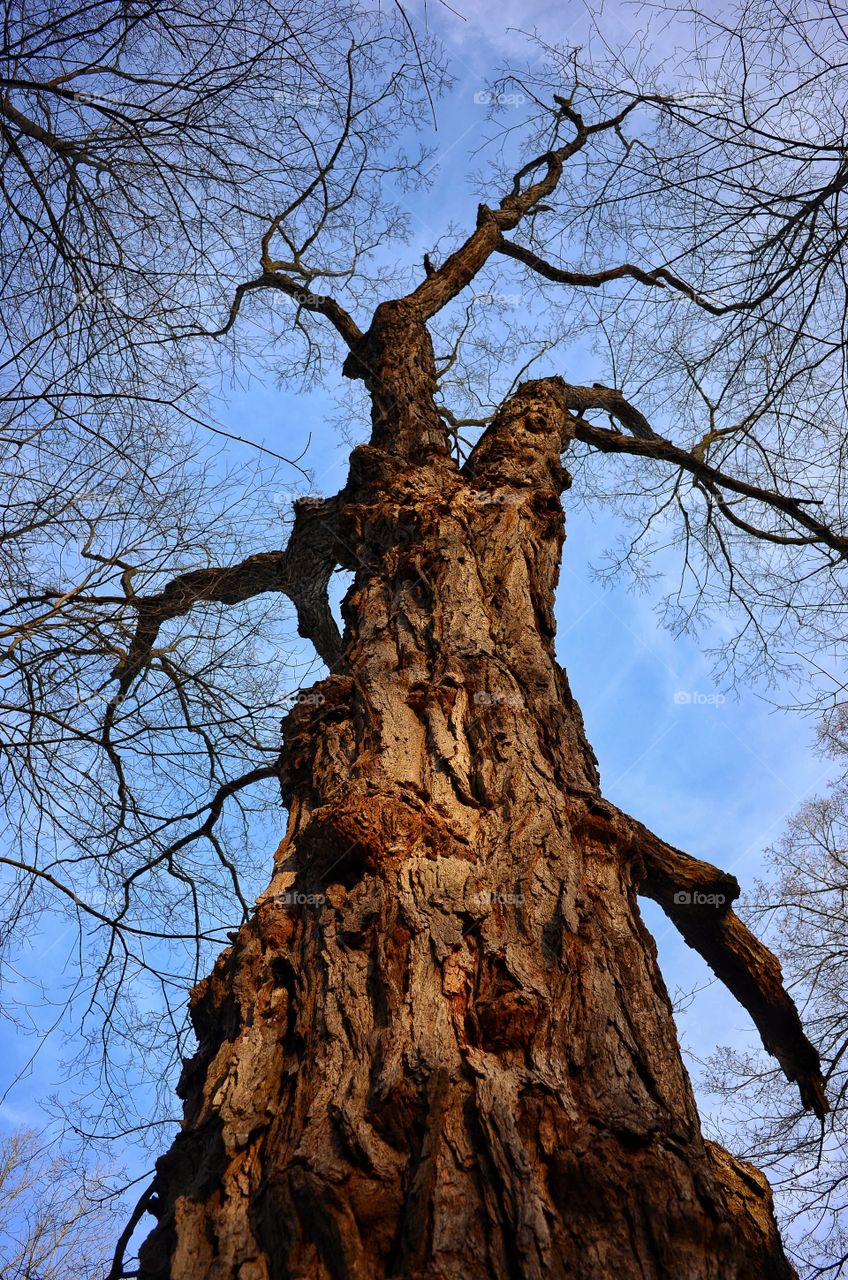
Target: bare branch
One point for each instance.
(64, 147)
(697, 898)
(658, 277)
(662, 450)
(302, 572)
(322, 304)
(459, 269)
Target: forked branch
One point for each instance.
(299, 292)
(443, 283)
(301, 572)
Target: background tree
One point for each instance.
(55, 1221)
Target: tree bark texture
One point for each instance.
(442, 1046)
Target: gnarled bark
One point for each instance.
(442, 1046)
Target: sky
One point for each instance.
(714, 772)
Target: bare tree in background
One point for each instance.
(439, 1044)
(55, 1221)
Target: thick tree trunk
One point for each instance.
(442, 1046)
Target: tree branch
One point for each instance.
(644, 445)
(658, 278)
(459, 269)
(302, 572)
(697, 898)
(320, 303)
(116, 1271)
(63, 147)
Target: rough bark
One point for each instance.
(442, 1046)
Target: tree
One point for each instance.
(440, 1044)
(804, 902)
(53, 1221)
(440, 1070)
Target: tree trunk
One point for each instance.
(442, 1046)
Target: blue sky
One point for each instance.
(716, 774)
